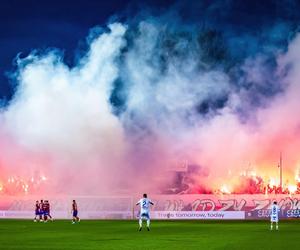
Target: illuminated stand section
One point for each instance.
(251, 198)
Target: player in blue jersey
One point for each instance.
(144, 211)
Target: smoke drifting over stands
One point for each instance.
(155, 94)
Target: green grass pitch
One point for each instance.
(107, 234)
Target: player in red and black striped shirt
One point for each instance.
(48, 210)
(41, 211)
(44, 207)
(37, 210)
(75, 212)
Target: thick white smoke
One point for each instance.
(66, 112)
(57, 108)
(62, 118)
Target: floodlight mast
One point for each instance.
(280, 170)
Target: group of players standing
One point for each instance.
(42, 212)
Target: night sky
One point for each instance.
(35, 24)
(39, 24)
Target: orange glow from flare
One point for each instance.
(225, 190)
(21, 185)
(297, 176)
(272, 182)
(292, 188)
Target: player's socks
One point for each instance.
(140, 228)
(148, 228)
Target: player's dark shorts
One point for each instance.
(75, 213)
(145, 215)
(46, 213)
(37, 212)
(41, 212)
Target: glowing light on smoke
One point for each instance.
(248, 173)
(25, 188)
(273, 182)
(11, 180)
(17, 185)
(292, 188)
(243, 173)
(225, 189)
(297, 176)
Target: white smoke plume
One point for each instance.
(61, 119)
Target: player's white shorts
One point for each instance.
(274, 218)
(145, 215)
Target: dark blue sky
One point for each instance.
(38, 24)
